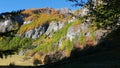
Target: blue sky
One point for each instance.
(12, 5)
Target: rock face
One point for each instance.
(54, 26)
(71, 33)
(45, 29)
(64, 10)
(72, 20)
(100, 34)
(76, 30)
(35, 33)
(7, 25)
(50, 28)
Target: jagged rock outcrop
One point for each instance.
(35, 33)
(54, 26)
(76, 30)
(84, 29)
(7, 25)
(72, 32)
(45, 29)
(58, 45)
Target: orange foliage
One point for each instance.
(81, 46)
(89, 41)
(38, 20)
(37, 57)
(30, 13)
(78, 45)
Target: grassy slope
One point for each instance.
(48, 45)
(39, 19)
(104, 55)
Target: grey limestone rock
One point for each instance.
(7, 25)
(54, 26)
(35, 33)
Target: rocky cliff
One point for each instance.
(7, 25)
(47, 34)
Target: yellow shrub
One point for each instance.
(48, 40)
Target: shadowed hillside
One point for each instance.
(104, 55)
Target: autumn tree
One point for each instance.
(105, 12)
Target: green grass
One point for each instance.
(67, 46)
(77, 22)
(82, 39)
(48, 46)
(92, 33)
(12, 43)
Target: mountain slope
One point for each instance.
(47, 35)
